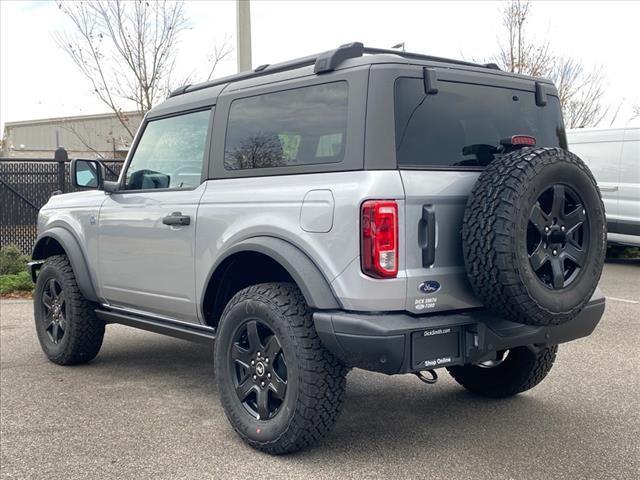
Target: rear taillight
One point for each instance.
(379, 238)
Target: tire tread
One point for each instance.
(530, 371)
(322, 377)
(488, 230)
(85, 330)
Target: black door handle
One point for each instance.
(176, 218)
(427, 235)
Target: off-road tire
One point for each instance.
(494, 236)
(316, 379)
(520, 371)
(83, 333)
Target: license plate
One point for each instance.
(435, 347)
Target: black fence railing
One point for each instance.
(26, 185)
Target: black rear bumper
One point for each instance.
(400, 343)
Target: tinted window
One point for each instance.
(433, 130)
(304, 126)
(170, 153)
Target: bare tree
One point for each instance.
(127, 50)
(580, 91)
(519, 53)
(258, 151)
(220, 52)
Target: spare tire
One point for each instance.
(534, 236)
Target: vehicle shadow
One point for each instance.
(623, 261)
(183, 367)
(444, 417)
(379, 410)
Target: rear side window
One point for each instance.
(460, 124)
(303, 126)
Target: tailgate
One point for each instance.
(434, 207)
(444, 137)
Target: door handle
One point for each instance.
(176, 218)
(608, 189)
(427, 235)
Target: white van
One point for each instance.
(613, 155)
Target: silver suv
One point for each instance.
(360, 208)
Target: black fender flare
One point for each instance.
(76, 256)
(314, 286)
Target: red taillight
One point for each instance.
(379, 238)
(526, 140)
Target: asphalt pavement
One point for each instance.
(147, 407)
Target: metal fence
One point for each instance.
(26, 185)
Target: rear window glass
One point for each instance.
(303, 126)
(433, 130)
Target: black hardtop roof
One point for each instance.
(330, 60)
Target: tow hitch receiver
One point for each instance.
(427, 376)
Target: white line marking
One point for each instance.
(622, 300)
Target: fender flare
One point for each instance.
(75, 255)
(314, 286)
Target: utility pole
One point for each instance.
(243, 35)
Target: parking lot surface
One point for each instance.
(147, 407)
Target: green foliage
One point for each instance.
(617, 251)
(290, 144)
(20, 282)
(12, 261)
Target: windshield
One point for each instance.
(461, 125)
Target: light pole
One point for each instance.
(243, 35)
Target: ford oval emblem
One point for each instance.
(430, 286)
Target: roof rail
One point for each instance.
(323, 62)
(328, 61)
(419, 56)
(258, 72)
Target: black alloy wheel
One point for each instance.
(279, 387)
(556, 242)
(53, 300)
(68, 329)
(259, 369)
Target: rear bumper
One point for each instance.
(399, 343)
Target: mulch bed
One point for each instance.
(17, 296)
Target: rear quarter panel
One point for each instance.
(232, 210)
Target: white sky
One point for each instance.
(37, 80)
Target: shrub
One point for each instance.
(12, 261)
(618, 251)
(19, 282)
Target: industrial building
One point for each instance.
(88, 136)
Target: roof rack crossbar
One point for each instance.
(323, 62)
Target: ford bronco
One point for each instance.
(362, 207)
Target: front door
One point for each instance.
(147, 229)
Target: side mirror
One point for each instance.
(87, 173)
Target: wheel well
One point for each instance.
(46, 247)
(236, 272)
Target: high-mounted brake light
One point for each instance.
(379, 238)
(519, 140)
